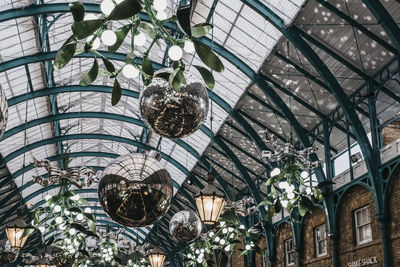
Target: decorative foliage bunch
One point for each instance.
(64, 213)
(227, 235)
(133, 13)
(106, 252)
(289, 190)
(138, 260)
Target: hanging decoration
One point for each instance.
(17, 232)
(65, 213)
(135, 190)
(88, 30)
(174, 113)
(210, 202)
(107, 249)
(185, 226)
(79, 177)
(226, 237)
(287, 183)
(3, 112)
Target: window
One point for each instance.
(289, 251)
(363, 225)
(320, 240)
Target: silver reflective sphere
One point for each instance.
(135, 190)
(185, 226)
(3, 112)
(174, 114)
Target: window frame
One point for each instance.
(316, 241)
(358, 226)
(287, 252)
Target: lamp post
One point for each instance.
(210, 202)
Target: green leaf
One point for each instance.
(302, 211)
(79, 227)
(90, 76)
(50, 241)
(324, 183)
(28, 231)
(69, 193)
(90, 216)
(181, 77)
(270, 213)
(183, 16)
(121, 34)
(83, 29)
(277, 206)
(83, 201)
(78, 10)
(318, 194)
(147, 29)
(147, 67)
(264, 202)
(201, 29)
(54, 200)
(163, 75)
(175, 83)
(92, 225)
(109, 66)
(208, 57)
(306, 202)
(66, 52)
(125, 10)
(75, 209)
(207, 76)
(116, 93)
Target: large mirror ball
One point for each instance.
(185, 226)
(135, 190)
(171, 113)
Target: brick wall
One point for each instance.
(263, 245)
(284, 233)
(310, 222)
(394, 217)
(236, 259)
(391, 133)
(357, 197)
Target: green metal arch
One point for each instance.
(291, 34)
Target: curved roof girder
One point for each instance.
(53, 8)
(386, 20)
(327, 75)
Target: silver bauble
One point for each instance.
(185, 226)
(3, 112)
(135, 190)
(171, 113)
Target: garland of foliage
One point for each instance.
(85, 33)
(227, 235)
(288, 189)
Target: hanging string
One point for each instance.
(289, 83)
(212, 102)
(25, 143)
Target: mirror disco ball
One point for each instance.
(3, 112)
(174, 114)
(135, 190)
(185, 226)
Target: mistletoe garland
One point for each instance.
(225, 238)
(107, 250)
(86, 33)
(138, 260)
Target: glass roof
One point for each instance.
(96, 132)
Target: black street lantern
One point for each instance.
(15, 231)
(210, 202)
(157, 257)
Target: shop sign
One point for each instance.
(362, 262)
